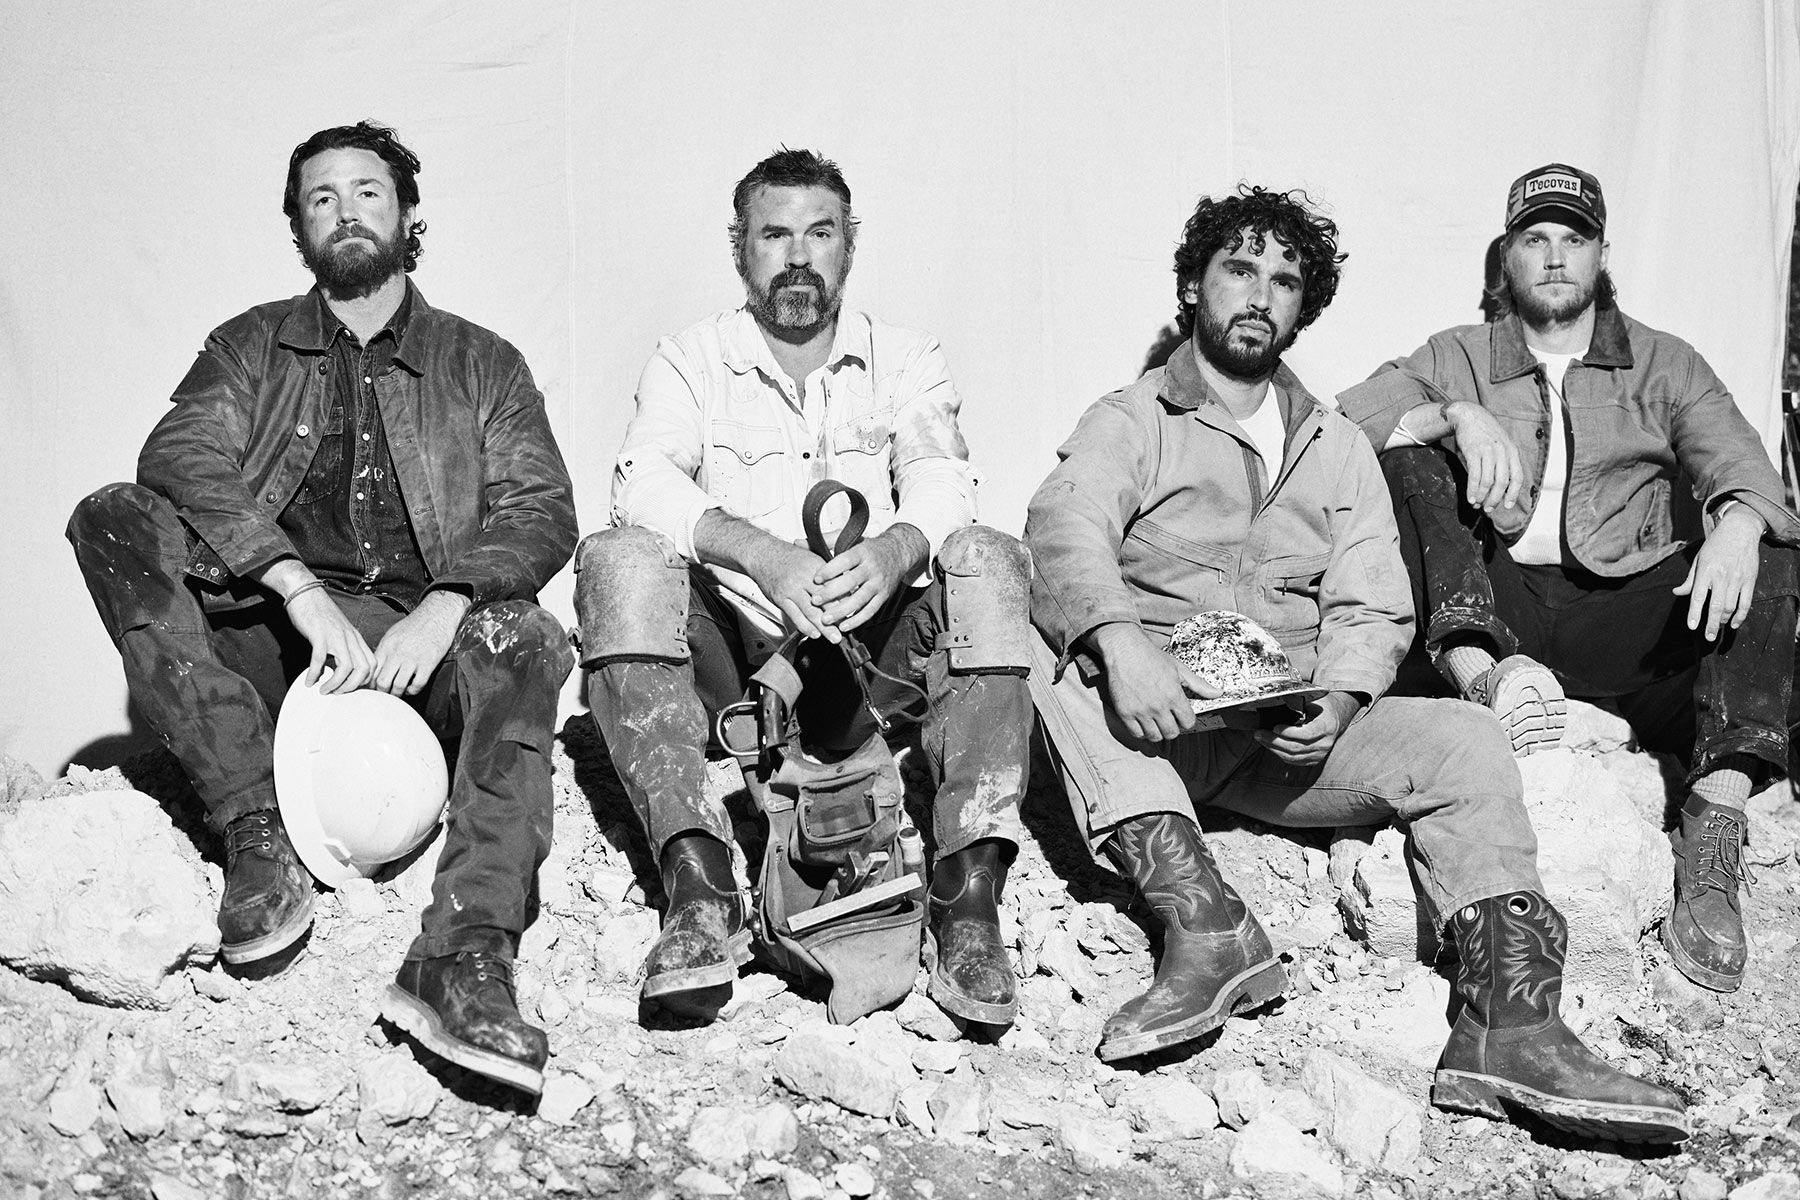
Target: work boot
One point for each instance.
(1509, 1049)
(971, 976)
(268, 900)
(1704, 931)
(1216, 959)
(463, 1007)
(692, 963)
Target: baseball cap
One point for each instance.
(1569, 191)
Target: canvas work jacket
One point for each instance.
(484, 485)
(1644, 411)
(1158, 511)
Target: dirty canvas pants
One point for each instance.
(1622, 644)
(656, 716)
(1441, 766)
(211, 685)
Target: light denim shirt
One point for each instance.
(719, 425)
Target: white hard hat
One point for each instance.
(360, 780)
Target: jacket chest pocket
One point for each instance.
(747, 467)
(1291, 590)
(326, 469)
(1199, 575)
(861, 457)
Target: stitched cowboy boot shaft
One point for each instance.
(1509, 1048)
(463, 1007)
(268, 898)
(692, 963)
(1216, 959)
(971, 976)
(1704, 931)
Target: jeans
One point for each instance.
(1622, 644)
(1443, 767)
(211, 686)
(656, 716)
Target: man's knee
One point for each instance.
(1778, 572)
(117, 508)
(513, 635)
(987, 602)
(1460, 747)
(631, 596)
(1422, 471)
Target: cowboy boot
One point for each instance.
(970, 974)
(692, 963)
(268, 899)
(463, 1008)
(1704, 931)
(1510, 1050)
(1216, 959)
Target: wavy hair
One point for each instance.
(380, 141)
(789, 168)
(1222, 224)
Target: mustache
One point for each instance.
(344, 233)
(798, 276)
(1254, 319)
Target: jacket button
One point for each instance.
(270, 498)
(302, 429)
(323, 364)
(1541, 435)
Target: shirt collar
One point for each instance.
(311, 327)
(746, 349)
(1511, 357)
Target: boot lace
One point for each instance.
(249, 832)
(490, 966)
(1719, 862)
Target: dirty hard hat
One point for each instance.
(359, 778)
(1238, 655)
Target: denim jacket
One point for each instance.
(1157, 511)
(484, 484)
(1644, 410)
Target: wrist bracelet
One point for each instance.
(311, 585)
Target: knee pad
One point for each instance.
(631, 595)
(987, 602)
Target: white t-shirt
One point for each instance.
(1267, 434)
(1542, 540)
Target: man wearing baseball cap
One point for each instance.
(1585, 512)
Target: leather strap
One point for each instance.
(853, 529)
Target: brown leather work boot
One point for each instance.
(1216, 959)
(971, 976)
(695, 959)
(1510, 1050)
(268, 900)
(463, 1008)
(1704, 931)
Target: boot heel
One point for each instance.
(1260, 988)
(1466, 1093)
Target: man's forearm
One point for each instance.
(1425, 425)
(284, 576)
(722, 540)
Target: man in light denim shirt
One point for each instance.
(1584, 510)
(708, 571)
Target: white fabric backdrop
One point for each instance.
(1022, 172)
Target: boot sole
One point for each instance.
(694, 979)
(1684, 962)
(943, 993)
(269, 944)
(1532, 709)
(1488, 1096)
(419, 1019)
(1250, 988)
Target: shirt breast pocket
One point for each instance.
(861, 456)
(747, 468)
(324, 474)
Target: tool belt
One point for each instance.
(839, 897)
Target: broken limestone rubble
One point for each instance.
(1271, 1146)
(99, 892)
(1370, 1123)
(846, 1065)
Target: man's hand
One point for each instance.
(413, 646)
(1496, 476)
(1307, 743)
(1722, 581)
(853, 586)
(340, 656)
(1149, 690)
(786, 574)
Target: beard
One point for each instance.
(1213, 335)
(781, 305)
(348, 271)
(1539, 309)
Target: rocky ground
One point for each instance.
(213, 1084)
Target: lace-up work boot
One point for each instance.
(1704, 931)
(1216, 959)
(971, 976)
(268, 900)
(1509, 1049)
(463, 1007)
(695, 959)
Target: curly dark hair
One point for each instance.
(379, 140)
(789, 168)
(1220, 224)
